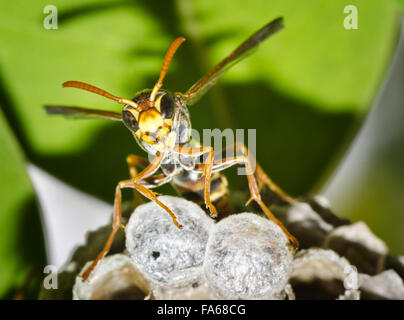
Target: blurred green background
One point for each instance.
(306, 91)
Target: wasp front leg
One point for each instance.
(116, 224)
(133, 161)
(246, 160)
(207, 171)
(138, 183)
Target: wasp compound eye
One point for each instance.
(130, 120)
(167, 106)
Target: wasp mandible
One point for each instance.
(160, 123)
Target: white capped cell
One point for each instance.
(247, 257)
(163, 252)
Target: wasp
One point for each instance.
(160, 123)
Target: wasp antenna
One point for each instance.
(96, 90)
(166, 63)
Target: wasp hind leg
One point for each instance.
(264, 180)
(246, 160)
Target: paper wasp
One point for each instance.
(160, 123)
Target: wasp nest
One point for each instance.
(244, 256)
(115, 277)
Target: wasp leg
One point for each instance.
(207, 172)
(133, 160)
(264, 180)
(252, 184)
(155, 181)
(137, 184)
(116, 224)
(262, 177)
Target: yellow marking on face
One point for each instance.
(168, 122)
(148, 139)
(157, 102)
(150, 121)
(134, 112)
(162, 132)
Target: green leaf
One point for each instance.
(21, 240)
(401, 5)
(303, 91)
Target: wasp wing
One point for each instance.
(243, 50)
(82, 113)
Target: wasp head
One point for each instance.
(151, 122)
